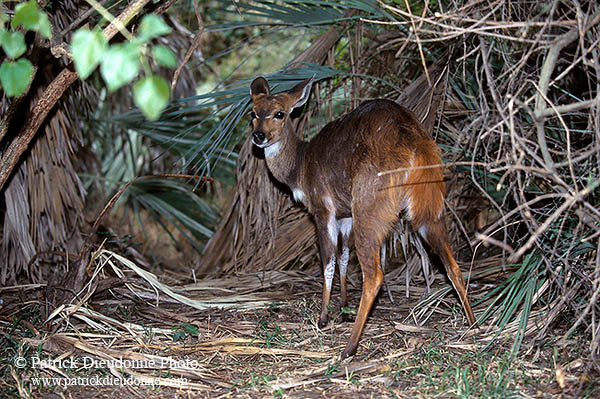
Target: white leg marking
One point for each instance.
(272, 150)
(333, 230)
(345, 226)
(344, 260)
(329, 272)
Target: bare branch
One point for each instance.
(49, 99)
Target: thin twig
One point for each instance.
(571, 200)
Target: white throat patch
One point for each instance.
(272, 150)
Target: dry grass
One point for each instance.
(256, 336)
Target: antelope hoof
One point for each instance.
(348, 352)
(323, 321)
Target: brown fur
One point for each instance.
(336, 176)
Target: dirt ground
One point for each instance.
(275, 349)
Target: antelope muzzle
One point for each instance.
(259, 138)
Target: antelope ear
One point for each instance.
(259, 86)
(300, 93)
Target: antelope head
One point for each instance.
(271, 113)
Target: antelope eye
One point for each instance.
(279, 115)
(252, 115)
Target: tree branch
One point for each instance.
(50, 97)
(540, 110)
(566, 108)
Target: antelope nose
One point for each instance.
(258, 137)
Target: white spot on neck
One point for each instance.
(299, 195)
(272, 150)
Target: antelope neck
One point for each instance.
(286, 164)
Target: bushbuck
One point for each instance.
(335, 175)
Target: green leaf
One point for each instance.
(120, 65)
(26, 15)
(152, 26)
(44, 26)
(15, 76)
(30, 17)
(3, 33)
(151, 95)
(13, 43)
(87, 47)
(179, 335)
(190, 329)
(164, 56)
